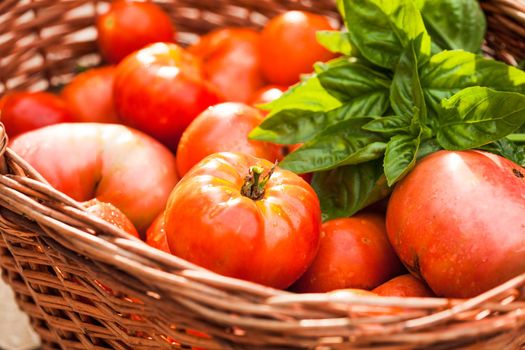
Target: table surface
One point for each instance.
(15, 332)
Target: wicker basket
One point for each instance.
(61, 261)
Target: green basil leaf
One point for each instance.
(341, 144)
(389, 125)
(345, 190)
(292, 126)
(451, 71)
(380, 29)
(476, 116)
(406, 93)
(454, 24)
(517, 137)
(335, 41)
(353, 80)
(307, 95)
(508, 149)
(427, 147)
(400, 157)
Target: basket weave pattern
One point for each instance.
(87, 285)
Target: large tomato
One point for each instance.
(354, 253)
(289, 46)
(227, 216)
(231, 61)
(90, 96)
(458, 221)
(160, 90)
(26, 111)
(129, 26)
(223, 128)
(109, 162)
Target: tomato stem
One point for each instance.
(254, 185)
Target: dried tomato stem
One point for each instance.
(254, 185)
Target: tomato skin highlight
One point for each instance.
(354, 253)
(160, 90)
(267, 94)
(91, 160)
(231, 60)
(25, 111)
(129, 26)
(89, 96)
(223, 128)
(457, 220)
(289, 46)
(270, 241)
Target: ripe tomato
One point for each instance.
(289, 46)
(267, 94)
(109, 162)
(223, 128)
(129, 26)
(354, 253)
(90, 96)
(231, 61)
(457, 220)
(26, 111)
(156, 234)
(160, 90)
(225, 215)
(404, 286)
(111, 214)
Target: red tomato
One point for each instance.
(231, 61)
(109, 162)
(156, 234)
(404, 286)
(267, 94)
(111, 214)
(223, 128)
(90, 96)
(219, 218)
(160, 90)
(457, 220)
(129, 26)
(26, 111)
(289, 46)
(354, 253)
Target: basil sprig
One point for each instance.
(366, 120)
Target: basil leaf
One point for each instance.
(400, 157)
(345, 190)
(454, 24)
(364, 91)
(517, 137)
(336, 42)
(450, 71)
(353, 80)
(406, 93)
(380, 29)
(389, 125)
(476, 116)
(341, 144)
(508, 149)
(307, 95)
(427, 147)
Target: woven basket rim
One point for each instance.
(29, 203)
